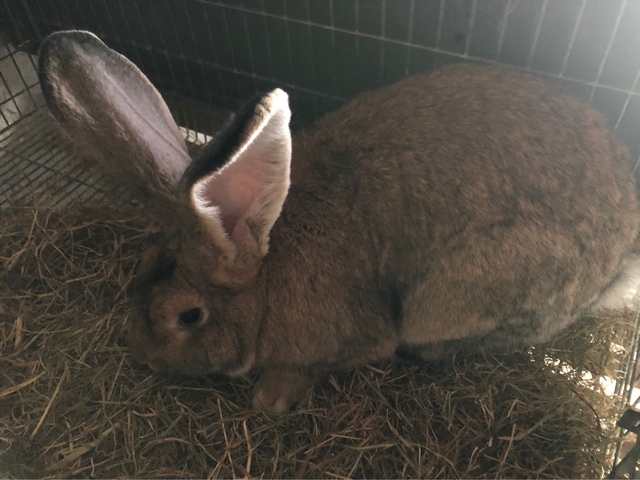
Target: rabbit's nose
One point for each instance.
(139, 356)
(138, 353)
(145, 360)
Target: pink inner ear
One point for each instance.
(254, 182)
(235, 192)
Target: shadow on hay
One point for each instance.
(74, 404)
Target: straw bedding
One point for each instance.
(73, 403)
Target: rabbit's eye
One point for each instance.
(189, 318)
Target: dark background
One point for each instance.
(324, 52)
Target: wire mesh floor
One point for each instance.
(38, 167)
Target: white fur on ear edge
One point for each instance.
(252, 185)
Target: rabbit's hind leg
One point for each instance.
(511, 334)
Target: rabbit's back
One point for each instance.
(486, 199)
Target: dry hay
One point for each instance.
(75, 404)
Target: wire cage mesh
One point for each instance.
(208, 56)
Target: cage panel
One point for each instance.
(208, 56)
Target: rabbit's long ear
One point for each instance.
(112, 113)
(237, 188)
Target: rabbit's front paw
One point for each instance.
(279, 391)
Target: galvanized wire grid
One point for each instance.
(222, 52)
(326, 51)
(626, 461)
(19, 90)
(37, 165)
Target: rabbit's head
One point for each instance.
(197, 305)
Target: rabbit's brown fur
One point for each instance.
(429, 235)
(471, 209)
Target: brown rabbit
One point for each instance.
(471, 209)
